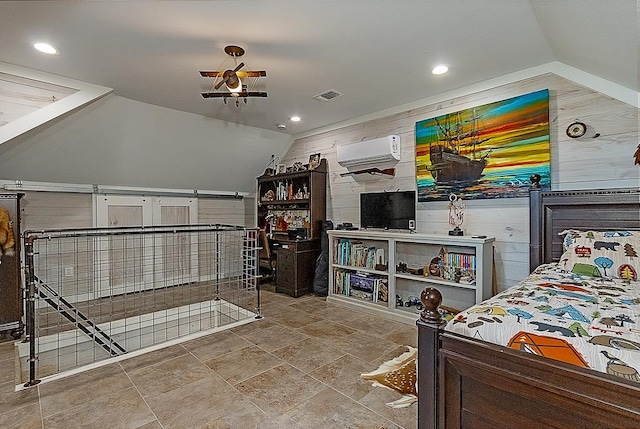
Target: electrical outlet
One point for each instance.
(68, 271)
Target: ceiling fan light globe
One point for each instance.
(234, 89)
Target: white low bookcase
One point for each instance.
(364, 267)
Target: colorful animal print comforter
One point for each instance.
(593, 322)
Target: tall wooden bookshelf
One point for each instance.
(293, 204)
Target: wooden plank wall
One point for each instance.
(603, 162)
(46, 210)
(222, 211)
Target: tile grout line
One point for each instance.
(153, 364)
(385, 419)
(142, 396)
(284, 362)
(234, 388)
(323, 319)
(367, 408)
(233, 351)
(40, 408)
(292, 304)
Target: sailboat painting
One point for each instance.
(488, 151)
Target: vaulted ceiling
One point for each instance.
(377, 53)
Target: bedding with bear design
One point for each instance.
(583, 310)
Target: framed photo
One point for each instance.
(314, 161)
(282, 168)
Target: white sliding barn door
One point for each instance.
(129, 263)
(176, 255)
(125, 261)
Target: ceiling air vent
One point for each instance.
(328, 95)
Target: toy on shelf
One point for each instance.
(403, 268)
(414, 300)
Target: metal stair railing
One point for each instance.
(225, 257)
(69, 311)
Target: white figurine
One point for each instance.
(456, 214)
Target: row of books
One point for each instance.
(357, 254)
(364, 286)
(460, 260)
(458, 267)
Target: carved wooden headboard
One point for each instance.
(551, 212)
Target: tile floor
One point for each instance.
(296, 368)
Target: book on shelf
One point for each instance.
(460, 260)
(363, 286)
(383, 290)
(357, 254)
(342, 281)
(459, 267)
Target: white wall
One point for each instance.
(603, 162)
(121, 142)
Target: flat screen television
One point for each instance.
(388, 210)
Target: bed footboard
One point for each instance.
(466, 383)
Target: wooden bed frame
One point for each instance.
(467, 383)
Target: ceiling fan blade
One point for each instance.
(252, 73)
(227, 95)
(210, 73)
(254, 94)
(241, 74)
(214, 94)
(238, 67)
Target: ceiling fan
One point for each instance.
(233, 79)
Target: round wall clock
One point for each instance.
(576, 129)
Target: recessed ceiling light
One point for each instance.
(46, 48)
(441, 69)
(295, 119)
(281, 126)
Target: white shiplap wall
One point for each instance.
(221, 211)
(47, 210)
(603, 162)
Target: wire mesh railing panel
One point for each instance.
(99, 293)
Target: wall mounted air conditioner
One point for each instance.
(384, 150)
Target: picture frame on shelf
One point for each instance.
(282, 168)
(314, 160)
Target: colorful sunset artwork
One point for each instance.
(488, 151)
